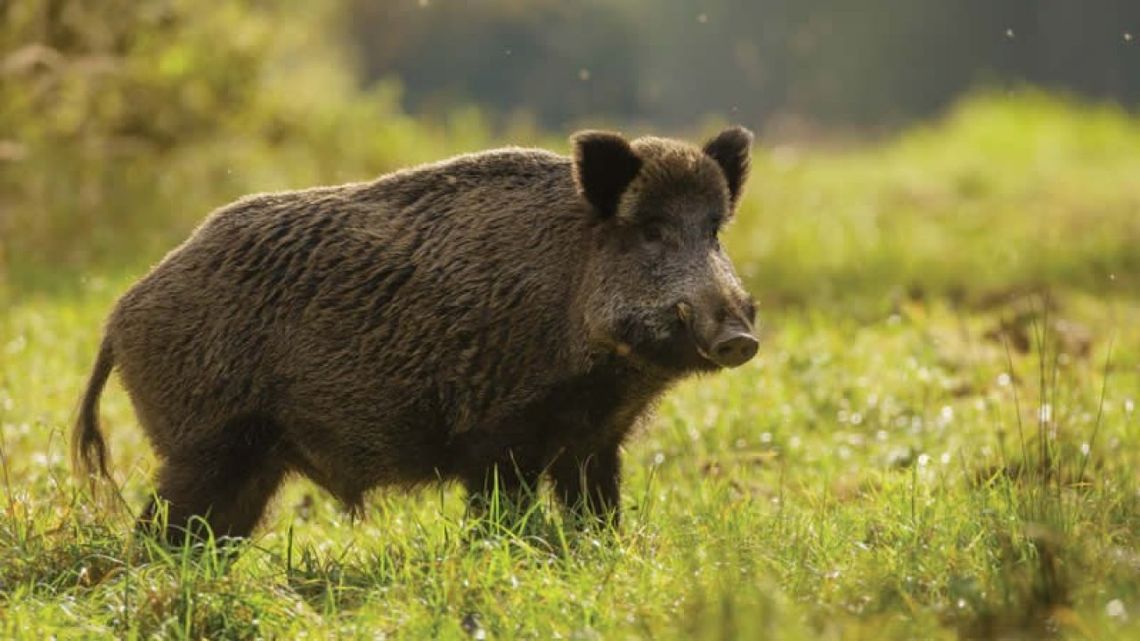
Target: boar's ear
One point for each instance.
(731, 149)
(604, 165)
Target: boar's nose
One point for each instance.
(734, 349)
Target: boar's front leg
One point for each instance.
(589, 483)
(505, 488)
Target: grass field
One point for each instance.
(939, 439)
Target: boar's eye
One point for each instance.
(652, 233)
(712, 227)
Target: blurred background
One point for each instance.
(905, 146)
(874, 63)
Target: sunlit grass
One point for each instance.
(860, 479)
(938, 439)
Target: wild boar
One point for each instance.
(509, 313)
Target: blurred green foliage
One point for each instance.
(123, 123)
(1006, 194)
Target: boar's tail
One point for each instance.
(88, 449)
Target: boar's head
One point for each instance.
(658, 288)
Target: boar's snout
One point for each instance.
(723, 339)
(734, 348)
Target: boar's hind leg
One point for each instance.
(225, 484)
(589, 484)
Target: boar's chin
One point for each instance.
(679, 356)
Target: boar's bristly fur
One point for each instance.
(509, 313)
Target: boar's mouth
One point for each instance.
(687, 316)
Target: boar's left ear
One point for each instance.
(604, 165)
(731, 149)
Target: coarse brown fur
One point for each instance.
(513, 311)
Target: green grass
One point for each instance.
(883, 469)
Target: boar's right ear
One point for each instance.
(604, 165)
(730, 149)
